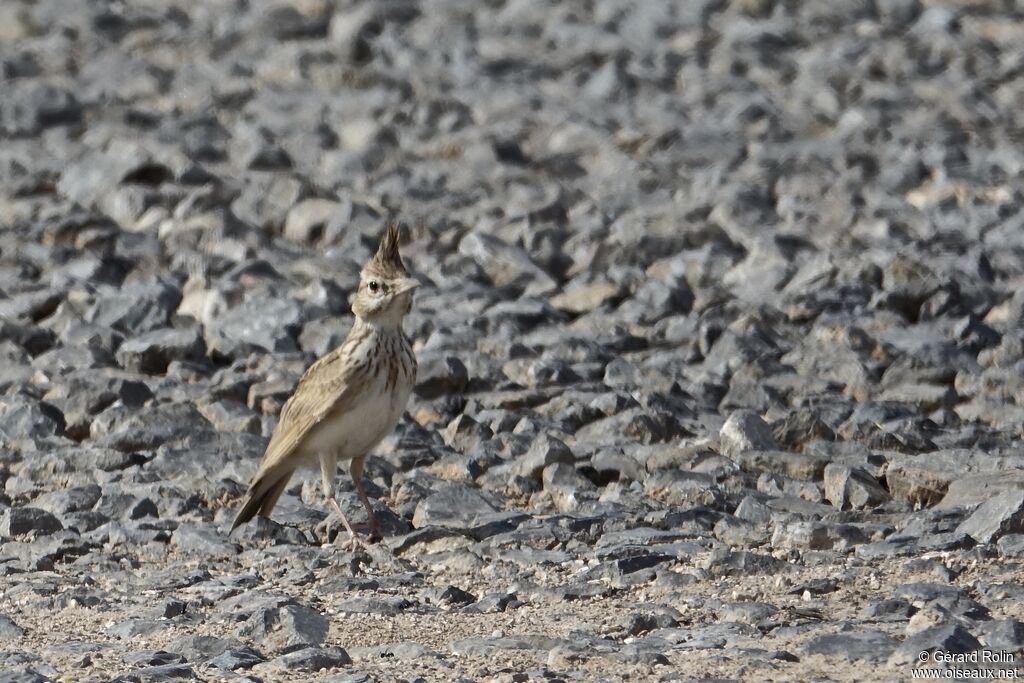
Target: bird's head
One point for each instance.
(385, 288)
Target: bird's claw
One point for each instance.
(351, 544)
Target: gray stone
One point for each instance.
(19, 521)
(1011, 545)
(286, 627)
(153, 351)
(322, 335)
(493, 603)
(154, 674)
(264, 528)
(972, 489)
(449, 596)
(137, 308)
(753, 510)
(285, 22)
(465, 434)
(9, 630)
(1001, 635)
(545, 451)
(115, 505)
(75, 499)
(638, 623)
(202, 648)
(726, 563)
(798, 466)
(21, 418)
(747, 612)
(999, 515)
(403, 651)
(745, 431)
(583, 298)
(680, 489)
(852, 647)
(895, 609)
(494, 646)
(132, 629)
(566, 486)
(439, 376)
(307, 219)
(309, 660)
(452, 505)
(917, 485)
(355, 677)
(31, 305)
(852, 488)
(268, 324)
(506, 265)
(23, 674)
(653, 301)
(368, 605)
(945, 638)
(740, 533)
(798, 428)
(817, 536)
(127, 429)
(254, 147)
(922, 590)
(204, 541)
(621, 374)
(230, 416)
(266, 200)
(32, 106)
(153, 658)
(233, 660)
(86, 393)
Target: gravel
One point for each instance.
(718, 333)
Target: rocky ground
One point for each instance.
(720, 338)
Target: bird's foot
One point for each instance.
(324, 530)
(357, 541)
(354, 541)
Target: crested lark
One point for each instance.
(350, 399)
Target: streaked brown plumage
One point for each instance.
(348, 400)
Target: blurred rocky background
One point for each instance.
(720, 338)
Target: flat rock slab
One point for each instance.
(999, 515)
(279, 629)
(854, 647)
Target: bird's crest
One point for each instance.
(387, 262)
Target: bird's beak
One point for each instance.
(406, 284)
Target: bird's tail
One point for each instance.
(262, 496)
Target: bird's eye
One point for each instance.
(374, 286)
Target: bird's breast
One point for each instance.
(370, 416)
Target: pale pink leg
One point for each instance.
(328, 466)
(353, 539)
(357, 480)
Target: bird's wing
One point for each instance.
(328, 386)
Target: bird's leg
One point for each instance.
(354, 542)
(357, 480)
(328, 467)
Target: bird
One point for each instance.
(348, 400)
